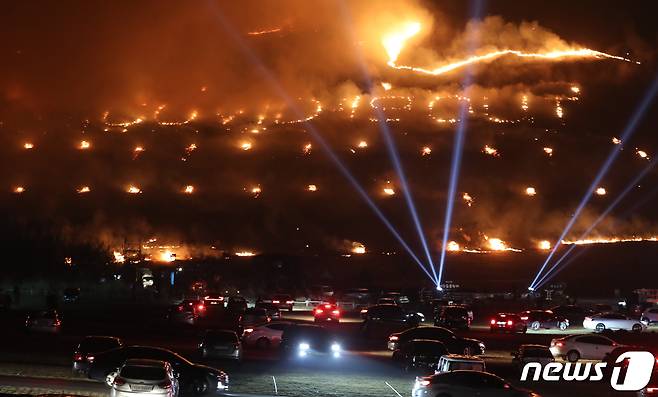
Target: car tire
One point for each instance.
(573, 356)
(637, 328)
(562, 325)
(524, 330)
(535, 325)
(263, 343)
(600, 327)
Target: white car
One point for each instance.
(589, 347)
(650, 316)
(613, 321)
(147, 378)
(265, 336)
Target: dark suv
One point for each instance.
(453, 317)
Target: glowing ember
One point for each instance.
(491, 151)
(83, 189)
(575, 89)
(244, 253)
(255, 191)
(84, 145)
(616, 140)
(642, 154)
(118, 257)
(610, 240)
(307, 148)
(426, 151)
(601, 191)
(544, 245)
(548, 151)
(530, 191)
(312, 188)
(358, 248)
(28, 145)
(386, 86)
(524, 103)
(558, 110)
(467, 199)
(138, 149)
(266, 31)
(18, 189)
(389, 191)
(245, 145)
(133, 189)
(453, 246)
(189, 189)
(362, 144)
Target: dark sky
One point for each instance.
(65, 62)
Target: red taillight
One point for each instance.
(525, 318)
(57, 323)
(165, 385)
(510, 322)
(180, 308)
(91, 359)
(559, 344)
(77, 357)
(275, 302)
(493, 321)
(336, 312)
(393, 338)
(652, 389)
(119, 381)
(319, 311)
(201, 307)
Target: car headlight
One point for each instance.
(304, 346)
(335, 347)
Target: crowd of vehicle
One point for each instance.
(446, 362)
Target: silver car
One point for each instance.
(147, 378)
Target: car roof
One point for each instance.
(145, 362)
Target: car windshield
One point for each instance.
(537, 352)
(220, 336)
(143, 372)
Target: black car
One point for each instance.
(575, 314)
(305, 341)
(454, 317)
(71, 295)
(507, 322)
(455, 344)
(423, 354)
(282, 301)
(271, 309)
(543, 319)
(194, 379)
(390, 314)
(220, 344)
(86, 351)
(236, 304)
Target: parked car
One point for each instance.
(71, 295)
(531, 354)
(589, 347)
(420, 354)
(649, 316)
(466, 384)
(193, 378)
(282, 301)
(397, 297)
(507, 322)
(271, 309)
(213, 300)
(612, 321)
(86, 351)
(220, 344)
(236, 304)
(265, 336)
(326, 312)
(182, 313)
(575, 314)
(390, 314)
(304, 341)
(386, 301)
(145, 377)
(543, 319)
(47, 321)
(255, 316)
(453, 317)
(456, 362)
(454, 344)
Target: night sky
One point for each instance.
(76, 71)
